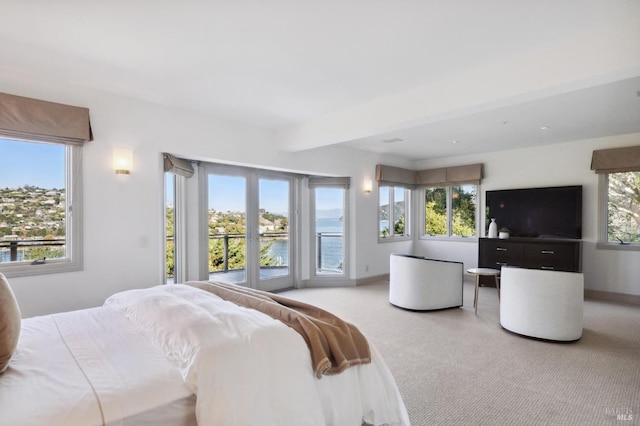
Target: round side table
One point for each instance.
(478, 272)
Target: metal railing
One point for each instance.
(320, 255)
(320, 258)
(230, 237)
(14, 247)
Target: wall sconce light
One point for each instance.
(122, 161)
(367, 186)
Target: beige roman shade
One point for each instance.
(616, 160)
(320, 181)
(178, 166)
(395, 176)
(33, 119)
(444, 176)
(471, 174)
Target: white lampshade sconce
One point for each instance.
(122, 161)
(367, 186)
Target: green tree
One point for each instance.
(398, 227)
(463, 214)
(170, 255)
(623, 222)
(436, 211)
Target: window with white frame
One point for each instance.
(394, 207)
(619, 221)
(622, 225)
(177, 170)
(330, 226)
(40, 202)
(39, 208)
(451, 211)
(329, 230)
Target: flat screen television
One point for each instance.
(553, 212)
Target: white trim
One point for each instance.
(603, 215)
(408, 215)
(74, 234)
(180, 229)
(337, 277)
(451, 238)
(252, 177)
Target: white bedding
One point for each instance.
(124, 363)
(90, 367)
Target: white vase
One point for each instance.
(493, 228)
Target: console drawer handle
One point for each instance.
(501, 263)
(500, 249)
(548, 252)
(550, 268)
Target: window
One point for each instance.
(169, 228)
(40, 209)
(622, 208)
(329, 230)
(451, 211)
(393, 213)
(177, 171)
(619, 201)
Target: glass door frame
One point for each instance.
(319, 277)
(252, 237)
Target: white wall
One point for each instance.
(123, 214)
(551, 165)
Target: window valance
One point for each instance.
(444, 176)
(616, 160)
(320, 181)
(33, 119)
(396, 176)
(178, 166)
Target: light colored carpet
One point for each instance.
(453, 367)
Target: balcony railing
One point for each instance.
(18, 250)
(226, 238)
(329, 249)
(329, 252)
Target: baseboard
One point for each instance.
(327, 282)
(372, 279)
(608, 296)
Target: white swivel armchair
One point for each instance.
(541, 303)
(424, 284)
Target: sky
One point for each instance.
(227, 193)
(25, 163)
(42, 165)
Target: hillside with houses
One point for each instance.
(31, 212)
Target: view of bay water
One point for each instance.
(331, 246)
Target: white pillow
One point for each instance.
(9, 323)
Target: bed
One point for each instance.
(179, 355)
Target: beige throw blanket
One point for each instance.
(334, 344)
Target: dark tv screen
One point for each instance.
(553, 212)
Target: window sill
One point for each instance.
(617, 246)
(395, 239)
(52, 267)
(449, 239)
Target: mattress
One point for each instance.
(90, 367)
(176, 355)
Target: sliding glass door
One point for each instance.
(249, 227)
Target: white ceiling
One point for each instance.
(488, 74)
